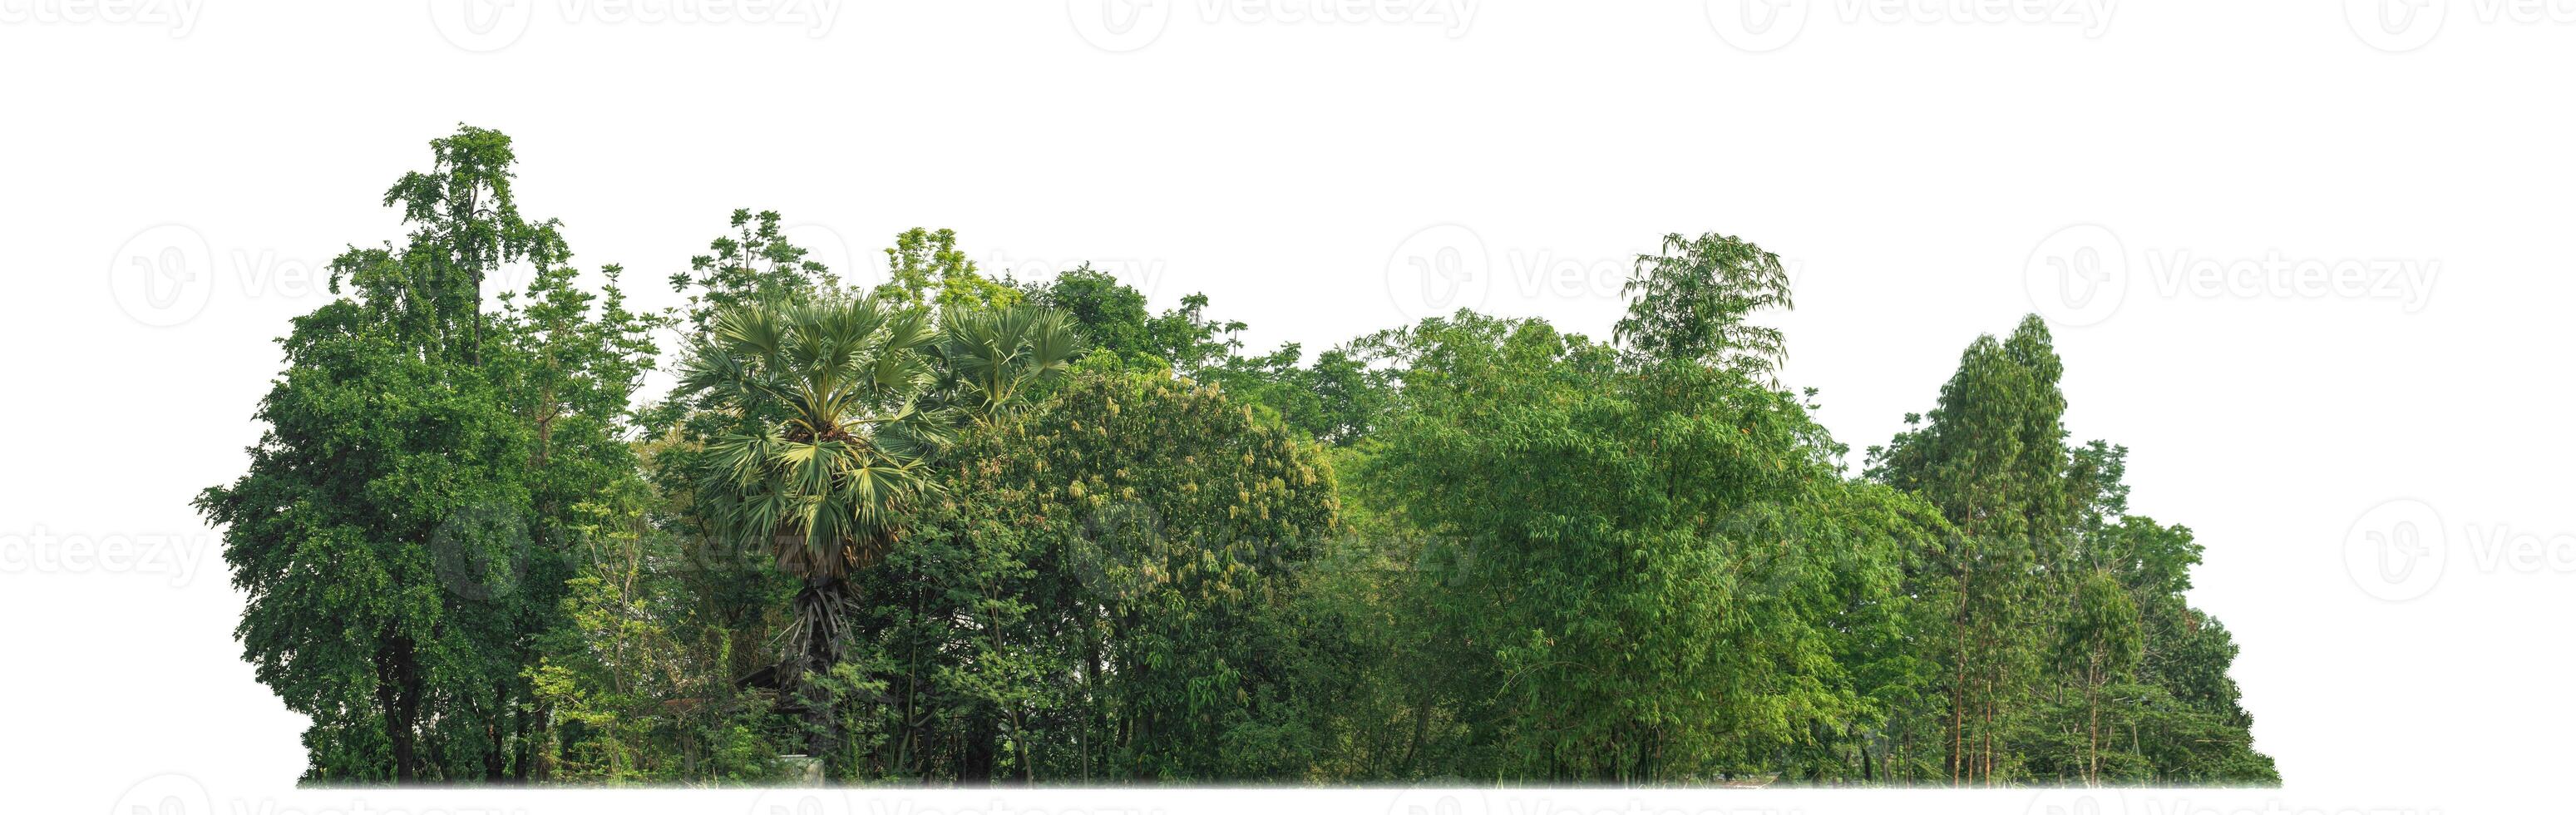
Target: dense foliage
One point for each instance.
(952, 529)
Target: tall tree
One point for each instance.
(825, 488)
(1992, 456)
(1692, 301)
(404, 512)
(2100, 641)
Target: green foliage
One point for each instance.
(1691, 303)
(400, 528)
(1111, 315)
(997, 361)
(750, 265)
(968, 531)
(925, 269)
(1658, 572)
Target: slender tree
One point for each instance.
(825, 488)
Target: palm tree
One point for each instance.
(828, 458)
(995, 360)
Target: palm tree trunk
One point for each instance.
(823, 613)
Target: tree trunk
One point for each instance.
(398, 695)
(524, 758)
(975, 762)
(2093, 732)
(822, 611)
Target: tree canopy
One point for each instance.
(942, 528)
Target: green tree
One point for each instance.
(751, 264)
(1691, 303)
(997, 362)
(1111, 315)
(825, 488)
(400, 525)
(925, 268)
(383, 479)
(2099, 642)
(1657, 567)
(1992, 456)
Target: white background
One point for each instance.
(173, 176)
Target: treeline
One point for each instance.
(954, 529)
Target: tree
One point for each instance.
(2100, 642)
(825, 488)
(1111, 315)
(999, 361)
(1659, 574)
(384, 480)
(1690, 303)
(751, 265)
(1992, 456)
(927, 535)
(925, 268)
(399, 527)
